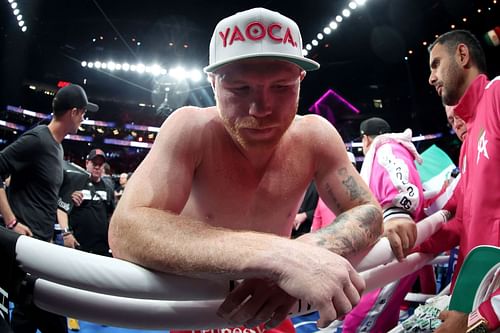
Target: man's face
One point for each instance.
(257, 100)
(96, 167)
(123, 178)
(457, 123)
(77, 116)
(446, 74)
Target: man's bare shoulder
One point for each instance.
(189, 126)
(192, 116)
(312, 126)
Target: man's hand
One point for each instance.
(310, 273)
(77, 198)
(70, 241)
(402, 234)
(453, 322)
(256, 301)
(22, 229)
(299, 219)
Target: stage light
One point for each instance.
(140, 68)
(156, 69)
(195, 75)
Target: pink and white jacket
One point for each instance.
(396, 186)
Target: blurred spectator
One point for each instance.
(94, 204)
(122, 182)
(107, 176)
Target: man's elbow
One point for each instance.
(117, 236)
(377, 226)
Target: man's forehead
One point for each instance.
(436, 52)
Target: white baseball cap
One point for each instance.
(257, 33)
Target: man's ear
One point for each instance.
(463, 55)
(302, 75)
(211, 78)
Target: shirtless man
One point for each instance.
(217, 194)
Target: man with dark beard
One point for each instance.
(458, 70)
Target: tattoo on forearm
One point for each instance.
(356, 192)
(352, 231)
(329, 190)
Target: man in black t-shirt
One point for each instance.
(34, 162)
(93, 206)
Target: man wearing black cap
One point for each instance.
(34, 162)
(93, 206)
(390, 171)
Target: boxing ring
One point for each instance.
(118, 293)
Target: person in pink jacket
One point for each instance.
(389, 169)
(458, 68)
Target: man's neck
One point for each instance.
(257, 157)
(472, 74)
(57, 130)
(95, 180)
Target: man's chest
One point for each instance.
(265, 200)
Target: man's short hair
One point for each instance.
(452, 38)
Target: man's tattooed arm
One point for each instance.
(352, 231)
(355, 228)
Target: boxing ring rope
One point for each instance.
(381, 252)
(118, 293)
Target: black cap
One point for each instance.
(72, 96)
(374, 126)
(95, 153)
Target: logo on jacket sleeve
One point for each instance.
(481, 146)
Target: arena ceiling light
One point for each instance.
(179, 73)
(16, 11)
(334, 24)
